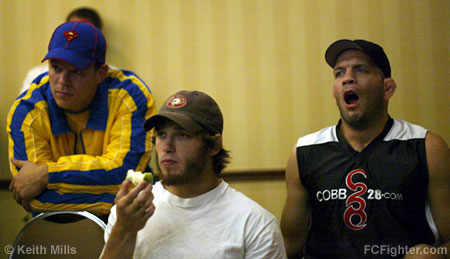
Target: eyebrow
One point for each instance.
(51, 61)
(178, 128)
(364, 64)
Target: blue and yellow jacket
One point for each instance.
(113, 141)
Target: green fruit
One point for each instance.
(148, 177)
(136, 177)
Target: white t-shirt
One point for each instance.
(32, 74)
(222, 223)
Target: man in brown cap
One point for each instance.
(191, 212)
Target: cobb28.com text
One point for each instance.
(341, 194)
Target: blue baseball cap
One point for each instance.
(78, 43)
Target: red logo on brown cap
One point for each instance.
(176, 101)
(70, 35)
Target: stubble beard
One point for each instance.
(191, 173)
(367, 116)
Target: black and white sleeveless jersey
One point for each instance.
(365, 203)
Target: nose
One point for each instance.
(64, 78)
(167, 145)
(348, 78)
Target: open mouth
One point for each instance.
(351, 97)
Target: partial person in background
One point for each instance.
(79, 14)
(78, 129)
(197, 215)
(371, 186)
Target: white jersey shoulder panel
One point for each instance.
(403, 130)
(322, 136)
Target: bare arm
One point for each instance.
(295, 217)
(438, 160)
(133, 210)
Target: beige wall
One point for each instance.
(261, 60)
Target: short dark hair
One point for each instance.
(221, 159)
(87, 13)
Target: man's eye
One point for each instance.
(338, 73)
(361, 70)
(77, 72)
(56, 68)
(183, 135)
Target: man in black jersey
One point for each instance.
(370, 186)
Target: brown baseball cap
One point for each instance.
(192, 110)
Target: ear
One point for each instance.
(218, 146)
(102, 72)
(389, 88)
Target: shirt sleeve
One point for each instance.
(264, 239)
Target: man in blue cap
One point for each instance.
(79, 14)
(74, 134)
(370, 186)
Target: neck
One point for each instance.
(361, 138)
(79, 111)
(204, 184)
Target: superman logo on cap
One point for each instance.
(70, 35)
